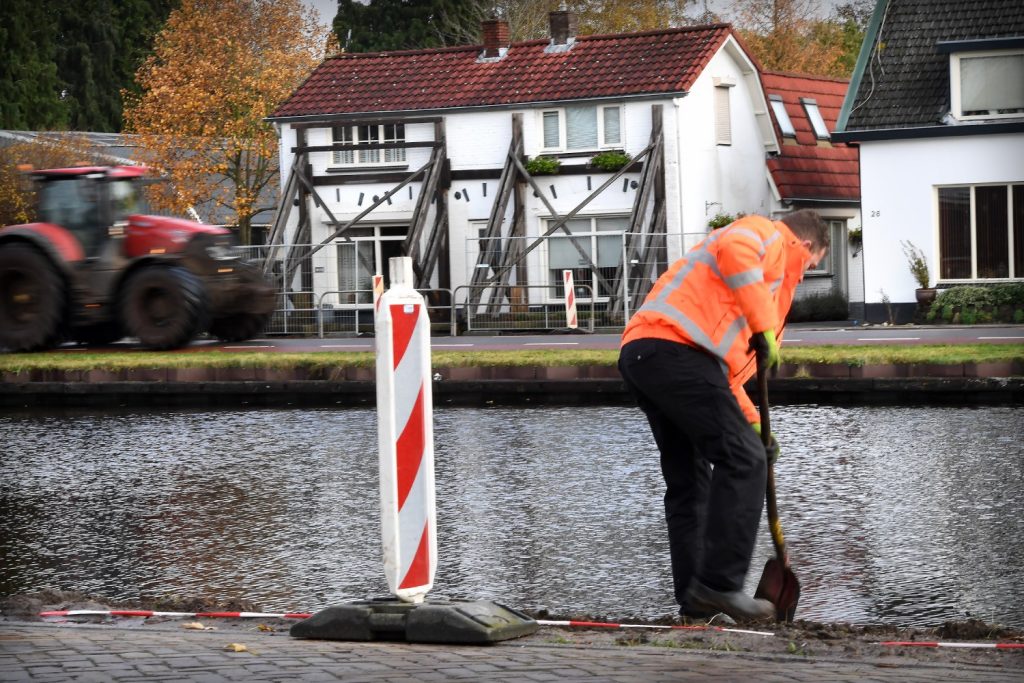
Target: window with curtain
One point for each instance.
(575, 128)
(600, 238)
(723, 116)
(370, 134)
(981, 232)
(365, 254)
(987, 85)
(837, 235)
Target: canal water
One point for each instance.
(906, 515)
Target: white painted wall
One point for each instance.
(717, 178)
(898, 198)
(702, 178)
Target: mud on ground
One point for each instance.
(798, 639)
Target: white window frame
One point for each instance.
(782, 116)
(378, 234)
(563, 134)
(955, 85)
(359, 134)
(723, 115)
(830, 265)
(1012, 274)
(818, 124)
(592, 236)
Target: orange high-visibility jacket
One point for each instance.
(738, 281)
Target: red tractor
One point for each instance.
(97, 267)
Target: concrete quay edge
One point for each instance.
(964, 383)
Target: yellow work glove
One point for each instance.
(771, 449)
(765, 344)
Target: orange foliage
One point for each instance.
(51, 150)
(785, 36)
(219, 68)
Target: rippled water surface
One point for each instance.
(898, 515)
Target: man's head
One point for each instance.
(809, 227)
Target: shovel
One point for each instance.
(778, 583)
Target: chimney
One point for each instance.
(563, 27)
(495, 37)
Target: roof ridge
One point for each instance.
(529, 43)
(795, 74)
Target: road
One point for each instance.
(797, 335)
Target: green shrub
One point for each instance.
(974, 304)
(720, 220)
(818, 308)
(543, 166)
(1011, 294)
(965, 295)
(609, 161)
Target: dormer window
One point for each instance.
(815, 117)
(779, 109)
(987, 85)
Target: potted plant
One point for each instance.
(856, 239)
(543, 165)
(919, 269)
(610, 161)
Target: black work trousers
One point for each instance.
(712, 460)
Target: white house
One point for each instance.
(936, 105)
(430, 153)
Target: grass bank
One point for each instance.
(838, 355)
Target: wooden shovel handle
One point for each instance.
(766, 437)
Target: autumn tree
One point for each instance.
(219, 68)
(401, 25)
(52, 150)
(793, 35)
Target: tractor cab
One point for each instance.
(92, 203)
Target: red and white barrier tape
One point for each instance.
(914, 643)
(189, 615)
(605, 624)
(542, 622)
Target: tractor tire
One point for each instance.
(32, 300)
(164, 306)
(239, 327)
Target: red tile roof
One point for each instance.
(806, 170)
(620, 65)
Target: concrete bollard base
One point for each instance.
(437, 620)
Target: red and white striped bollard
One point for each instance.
(405, 437)
(570, 300)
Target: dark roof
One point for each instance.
(653, 62)
(808, 170)
(902, 80)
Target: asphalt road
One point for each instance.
(796, 335)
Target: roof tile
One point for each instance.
(619, 65)
(807, 170)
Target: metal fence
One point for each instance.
(487, 308)
(329, 291)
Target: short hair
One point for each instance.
(808, 224)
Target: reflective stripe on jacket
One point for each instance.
(739, 280)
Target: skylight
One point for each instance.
(817, 122)
(781, 116)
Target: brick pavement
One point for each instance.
(47, 653)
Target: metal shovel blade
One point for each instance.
(779, 586)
